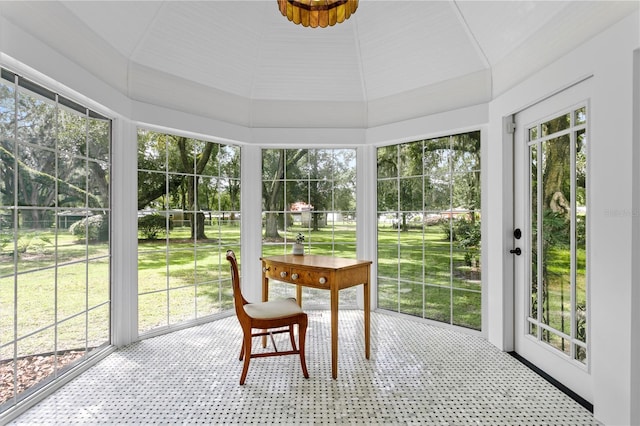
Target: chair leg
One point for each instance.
(246, 349)
(293, 340)
(241, 350)
(302, 332)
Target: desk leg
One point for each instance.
(265, 297)
(334, 333)
(367, 320)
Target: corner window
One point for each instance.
(429, 229)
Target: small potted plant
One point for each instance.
(298, 247)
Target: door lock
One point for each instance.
(516, 251)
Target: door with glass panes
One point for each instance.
(551, 221)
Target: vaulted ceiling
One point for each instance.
(258, 68)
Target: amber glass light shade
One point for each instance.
(317, 13)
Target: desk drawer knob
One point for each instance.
(322, 280)
(294, 276)
(265, 268)
(283, 274)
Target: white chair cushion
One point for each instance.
(273, 309)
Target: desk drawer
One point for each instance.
(277, 272)
(309, 278)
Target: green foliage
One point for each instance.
(466, 235)
(152, 225)
(97, 228)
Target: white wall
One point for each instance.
(609, 58)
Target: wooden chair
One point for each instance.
(270, 317)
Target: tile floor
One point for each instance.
(417, 374)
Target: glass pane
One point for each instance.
(297, 164)
(207, 268)
(411, 194)
(98, 282)
(152, 311)
(73, 192)
(387, 260)
(37, 171)
(99, 139)
(387, 161)
(467, 309)
(29, 363)
(36, 120)
(410, 256)
(72, 334)
(388, 294)
(7, 169)
(556, 224)
(556, 341)
(387, 195)
(208, 299)
(297, 196)
(466, 191)
(35, 244)
(437, 304)
(99, 331)
(581, 241)
(533, 202)
(321, 195)
(72, 290)
(181, 267)
(465, 153)
(152, 190)
(437, 157)
(98, 184)
(437, 193)
(35, 301)
(411, 159)
(411, 298)
(229, 158)
(557, 124)
(7, 111)
(152, 270)
(180, 155)
(182, 304)
(72, 133)
(272, 164)
(437, 249)
(581, 115)
(7, 322)
(152, 153)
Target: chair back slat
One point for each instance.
(238, 300)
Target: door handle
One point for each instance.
(516, 251)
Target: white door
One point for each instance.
(550, 207)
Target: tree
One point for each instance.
(171, 172)
(62, 155)
(274, 161)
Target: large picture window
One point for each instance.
(54, 235)
(188, 217)
(310, 192)
(429, 229)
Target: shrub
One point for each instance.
(97, 227)
(152, 225)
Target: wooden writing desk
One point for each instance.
(324, 272)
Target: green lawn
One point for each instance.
(419, 273)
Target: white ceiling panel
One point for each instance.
(501, 26)
(121, 23)
(410, 44)
(298, 63)
(242, 62)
